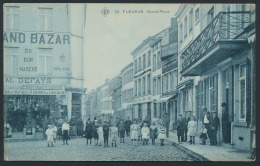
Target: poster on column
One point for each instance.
(129, 82)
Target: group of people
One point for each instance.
(187, 128)
(51, 134)
(143, 130)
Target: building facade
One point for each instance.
(127, 91)
(41, 79)
(216, 65)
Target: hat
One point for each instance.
(49, 125)
(223, 104)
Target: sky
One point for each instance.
(109, 40)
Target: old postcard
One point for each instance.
(129, 82)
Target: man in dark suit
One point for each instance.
(180, 124)
(214, 129)
(186, 120)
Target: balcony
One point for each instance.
(218, 41)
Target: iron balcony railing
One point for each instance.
(225, 26)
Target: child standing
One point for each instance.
(145, 134)
(114, 132)
(203, 135)
(105, 134)
(100, 135)
(192, 129)
(49, 133)
(95, 134)
(162, 134)
(54, 129)
(121, 129)
(153, 132)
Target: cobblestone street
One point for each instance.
(77, 150)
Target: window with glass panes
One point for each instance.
(144, 61)
(210, 15)
(135, 88)
(159, 60)
(181, 33)
(139, 87)
(242, 91)
(135, 65)
(154, 62)
(154, 86)
(171, 80)
(159, 85)
(149, 58)
(11, 64)
(139, 64)
(45, 19)
(149, 83)
(191, 20)
(144, 81)
(45, 61)
(197, 15)
(185, 27)
(12, 18)
(213, 93)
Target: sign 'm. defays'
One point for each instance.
(36, 38)
(33, 92)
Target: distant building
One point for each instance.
(127, 91)
(43, 64)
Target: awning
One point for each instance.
(164, 99)
(107, 111)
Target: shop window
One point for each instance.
(11, 65)
(242, 89)
(45, 61)
(213, 93)
(12, 18)
(45, 20)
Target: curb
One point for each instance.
(191, 153)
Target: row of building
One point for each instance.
(205, 58)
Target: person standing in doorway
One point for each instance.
(214, 128)
(65, 132)
(226, 127)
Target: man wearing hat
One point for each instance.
(180, 124)
(214, 129)
(225, 124)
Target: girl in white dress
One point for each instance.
(145, 134)
(49, 133)
(192, 129)
(134, 132)
(162, 134)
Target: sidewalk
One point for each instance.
(209, 153)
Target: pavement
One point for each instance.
(210, 153)
(196, 152)
(77, 150)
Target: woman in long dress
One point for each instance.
(134, 132)
(153, 132)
